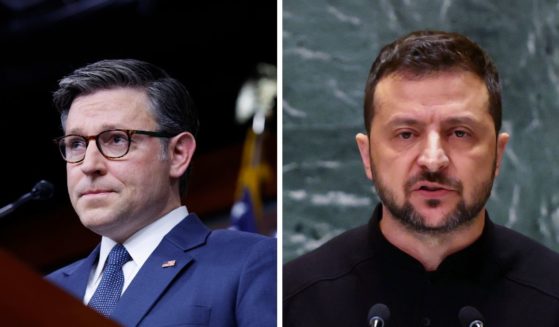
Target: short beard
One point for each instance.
(462, 215)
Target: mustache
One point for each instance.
(434, 177)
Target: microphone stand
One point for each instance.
(8, 209)
(41, 191)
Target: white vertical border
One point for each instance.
(279, 169)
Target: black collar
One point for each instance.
(475, 261)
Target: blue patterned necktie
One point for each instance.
(108, 292)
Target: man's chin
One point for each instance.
(97, 219)
(434, 220)
(432, 215)
(426, 219)
(440, 221)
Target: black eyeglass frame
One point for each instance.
(129, 134)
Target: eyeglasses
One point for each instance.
(113, 143)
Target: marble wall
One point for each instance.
(328, 47)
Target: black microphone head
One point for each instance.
(42, 190)
(379, 314)
(470, 317)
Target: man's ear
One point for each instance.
(502, 141)
(181, 150)
(363, 145)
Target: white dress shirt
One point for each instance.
(139, 246)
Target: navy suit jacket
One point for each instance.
(221, 278)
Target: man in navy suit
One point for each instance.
(129, 136)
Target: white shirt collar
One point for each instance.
(143, 242)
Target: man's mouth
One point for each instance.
(432, 189)
(432, 186)
(95, 192)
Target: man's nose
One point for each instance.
(433, 156)
(94, 162)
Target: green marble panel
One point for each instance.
(328, 47)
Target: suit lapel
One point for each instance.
(152, 279)
(77, 276)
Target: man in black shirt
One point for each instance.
(433, 148)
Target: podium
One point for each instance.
(26, 299)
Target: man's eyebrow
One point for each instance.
(462, 120)
(104, 127)
(456, 120)
(73, 131)
(403, 121)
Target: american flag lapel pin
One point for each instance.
(170, 263)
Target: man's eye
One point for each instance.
(406, 135)
(75, 144)
(117, 139)
(114, 138)
(459, 133)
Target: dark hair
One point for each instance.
(427, 52)
(171, 103)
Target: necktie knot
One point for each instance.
(118, 256)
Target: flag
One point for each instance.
(247, 210)
(256, 100)
(242, 214)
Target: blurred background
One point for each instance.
(213, 48)
(328, 48)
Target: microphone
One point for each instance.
(470, 317)
(41, 191)
(378, 316)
